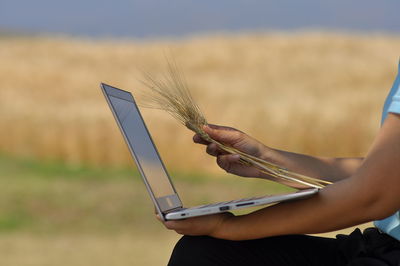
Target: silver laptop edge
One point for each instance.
(124, 95)
(238, 204)
(167, 202)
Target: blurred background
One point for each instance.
(305, 76)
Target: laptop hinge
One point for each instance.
(174, 209)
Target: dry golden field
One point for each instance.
(316, 93)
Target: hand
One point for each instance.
(210, 225)
(236, 139)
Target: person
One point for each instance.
(363, 190)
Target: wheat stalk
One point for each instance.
(171, 94)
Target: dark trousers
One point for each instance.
(370, 248)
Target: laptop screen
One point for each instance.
(143, 147)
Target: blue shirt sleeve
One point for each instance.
(394, 106)
(391, 225)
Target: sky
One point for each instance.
(169, 18)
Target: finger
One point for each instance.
(228, 161)
(180, 232)
(212, 149)
(174, 225)
(233, 166)
(229, 158)
(214, 126)
(223, 134)
(158, 217)
(198, 139)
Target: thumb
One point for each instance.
(222, 134)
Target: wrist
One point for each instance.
(268, 155)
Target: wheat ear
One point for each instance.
(171, 94)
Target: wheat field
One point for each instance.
(309, 92)
(316, 93)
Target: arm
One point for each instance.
(371, 193)
(330, 169)
(325, 168)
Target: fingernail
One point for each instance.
(206, 128)
(235, 157)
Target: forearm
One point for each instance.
(329, 169)
(335, 207)
(371, 193)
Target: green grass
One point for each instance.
(57, 214)
(51, 197)
(31, 168)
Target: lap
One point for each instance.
(283, 250)
(369, 248)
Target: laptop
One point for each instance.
(155, 176)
